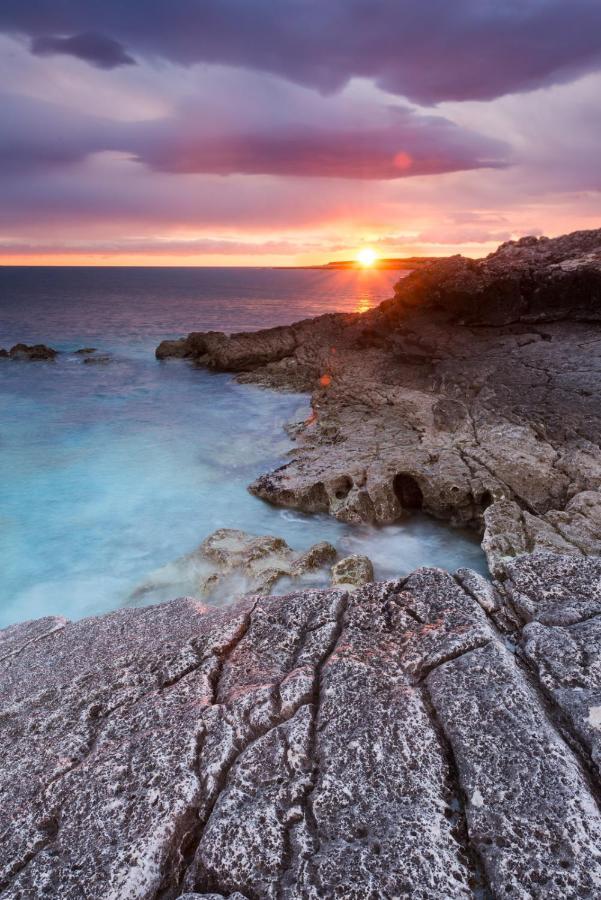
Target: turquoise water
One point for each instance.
(107, 472)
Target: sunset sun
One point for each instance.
(366, 257)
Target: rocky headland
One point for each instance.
(433, 737)
(471, 394)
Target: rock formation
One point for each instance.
(352, 572)
(231, 563)
(435, 737)
(35, 352)
(472, 393)
(98, 359)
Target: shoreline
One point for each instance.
(395, 551)
(426, 401)
(437, 735)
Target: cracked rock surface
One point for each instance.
(432, 737)
(472, 393)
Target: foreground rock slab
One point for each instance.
(434, 737)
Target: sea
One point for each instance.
(109, 471)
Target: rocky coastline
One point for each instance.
(437, 736)
(471, 394)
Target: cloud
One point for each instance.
(127, 246)
(399, 143)
(114, 201)
(452, 235)
(39, 136)
(427, 50)
(410, 145)
(556, 133)
(96, 49)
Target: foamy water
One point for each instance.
(108, 472)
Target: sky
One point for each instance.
(282, 132)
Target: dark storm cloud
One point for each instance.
(100, 51)
(428, 50)
(38, 136)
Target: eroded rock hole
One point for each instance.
(343, 487)
(407, 491)
(485, 499)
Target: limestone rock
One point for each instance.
(352, 572)
(580, 522)
(530, 826)
(316, 557)
(511, 532)
(384, 742)
(464, 390)
(232, 563)
(552, 589)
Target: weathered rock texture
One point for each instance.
(231, 563)
(434, 737)
(353, 571)
(472, 394)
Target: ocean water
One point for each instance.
(108, 472)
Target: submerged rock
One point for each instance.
(232, 563)
(389, 742)
(100, 359)
(32, 352)
(85, 351)
(352, 572)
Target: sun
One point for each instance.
(366, 256)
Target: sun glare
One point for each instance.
(366, 256)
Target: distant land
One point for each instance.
(407, 262)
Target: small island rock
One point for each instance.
(32, 352)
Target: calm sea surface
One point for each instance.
(108, 472)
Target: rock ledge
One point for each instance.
(434, 737)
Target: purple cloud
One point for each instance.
(410, 145)
(429, 51)
(96, 49)
(38, 136)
